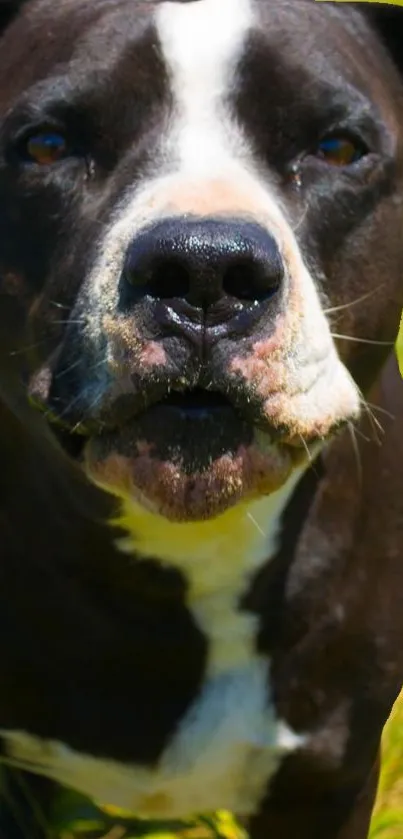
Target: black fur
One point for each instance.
(99, 650)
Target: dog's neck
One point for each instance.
(217, 558)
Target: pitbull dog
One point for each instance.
(201, 263)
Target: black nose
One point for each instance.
(203, 260)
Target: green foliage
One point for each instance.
(387, 821)
(74, 817)
(399, 347)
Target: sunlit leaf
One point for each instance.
(399, 347)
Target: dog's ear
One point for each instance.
(8, 10)
(388, 21)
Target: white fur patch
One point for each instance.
(201, 43)
(230, 743)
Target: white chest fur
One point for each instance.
(229, 743)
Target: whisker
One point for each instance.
(306, 447)
(356, 451)
(66, 409)
(90, 408)
(375, 424)
(256, 524)
(381, 410)
(27, 348)
(68, 369)
(362, 340)
(301, 219)
(58, 305)
(68, 321)
(76, 427)
(359, 433)
(372, 416)
(77, 364)
(70, 405)
(353, 302)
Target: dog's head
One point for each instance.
(197, 198)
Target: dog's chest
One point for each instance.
(222, 756)
(229, 743)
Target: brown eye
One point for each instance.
(340, 151)
(45, 149)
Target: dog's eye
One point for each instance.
(340, 151)
(45, 148)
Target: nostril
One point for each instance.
(169, 278)
(202, 260)
(237, 281)
(252, 280)
(160, 277)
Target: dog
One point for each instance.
(201, 516)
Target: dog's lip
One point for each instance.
(203, 402)
(197, 403)
(193, 405)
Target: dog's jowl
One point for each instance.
(201, 520)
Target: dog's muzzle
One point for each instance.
(206, 277)
(192, 376)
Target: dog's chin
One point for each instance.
(188, 463)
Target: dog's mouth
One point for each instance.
(189, 456)
(197, 403)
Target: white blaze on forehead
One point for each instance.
(203, 164)
(202, 43)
